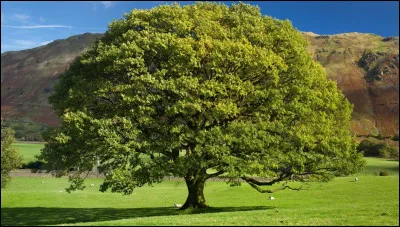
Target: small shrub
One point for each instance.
(389, 151)
(383, 151)
(33, 165)
(370, 147)
(376, 148)
(383, 173)
(380, 136)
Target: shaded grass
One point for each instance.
(374, 165)
(373, 200)
(55, 215)
(370, 201)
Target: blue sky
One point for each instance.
(30, 24)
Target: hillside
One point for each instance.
(27, 77)
(365, 67)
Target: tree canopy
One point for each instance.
(10, 159)
(199, 91)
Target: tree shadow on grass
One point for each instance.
(34, 216)
(394, 170)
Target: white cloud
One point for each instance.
(37, 26)
(20, 17)
(46, 42)
(107, 4)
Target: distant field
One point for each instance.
(374, 165)
(28, 150)
(373, 200)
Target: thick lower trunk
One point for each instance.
(195, 197)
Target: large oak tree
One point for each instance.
(200, 91)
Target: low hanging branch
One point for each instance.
(215, 174)
(272, 191)
(255, 184)
(253, 181)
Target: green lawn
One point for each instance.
(28, 150)
(374, 165)
(373, 200)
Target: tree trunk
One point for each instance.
(195, 197)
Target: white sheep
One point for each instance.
(356, 179)
(271, 198)
(177, 205)
(92, 185)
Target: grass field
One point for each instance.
(28, 150)
(374, 165)
(373, 200)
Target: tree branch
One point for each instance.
(256, 182)
(215, 174)
(106, 99)
(272, 191)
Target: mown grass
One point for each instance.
(374, 165)
(28, 150)
(372, 200)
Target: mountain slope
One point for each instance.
(27, 77)
(365, 67)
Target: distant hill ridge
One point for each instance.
(365, 67)
(27, 77)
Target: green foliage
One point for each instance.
(370, 147)
(390, 151)
(36, 165)
(25, 130)
(375, 148)
(200, 87)
(374, 165)
(380, 136)
(383, 173)
(10, 159)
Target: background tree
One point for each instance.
(199, 91)
(10, 158)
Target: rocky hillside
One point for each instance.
(365, 66)
(366, 69)
(27, 77)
